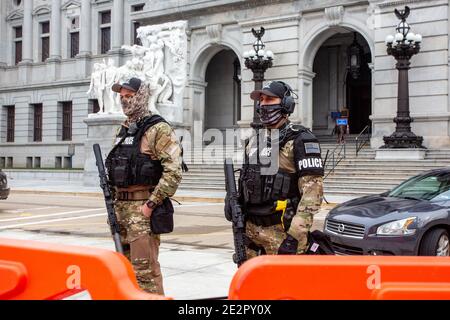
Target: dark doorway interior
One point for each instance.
(223, 91)
(359, 97)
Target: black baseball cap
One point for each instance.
(272, 89)
(133, 84)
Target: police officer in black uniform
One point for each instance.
(281, 183)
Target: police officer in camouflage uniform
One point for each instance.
(298, 183)
(144, 168)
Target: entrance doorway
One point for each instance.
(223, 91)
(336, 88)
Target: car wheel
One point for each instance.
(435, 243)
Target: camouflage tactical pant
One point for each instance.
(270, 238)
(140, 245)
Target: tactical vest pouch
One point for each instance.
(120, 172)
(148, 172)
(161, 220)
(250, 181)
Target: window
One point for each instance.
(74, 44)
(137, 41)
(10, 123)
(17, 44)
(137, 7)
(105, 32)
(74, 48)
(434, 186)
(9, 162)
(29, 162)
(37, 122)
(94, 107)
(45, 40)
(37, 162)
(67, 121)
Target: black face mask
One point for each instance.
(270, 114)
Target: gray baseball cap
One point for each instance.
(133, 84)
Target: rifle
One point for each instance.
(112, 219)
(233, 213)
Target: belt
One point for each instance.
(265, 221)
(133, 196)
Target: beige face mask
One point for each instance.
(136, 107)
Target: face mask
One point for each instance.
(136, 107)
(270, 115)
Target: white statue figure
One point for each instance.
(112, 99)
(160, 63)
(97, 86)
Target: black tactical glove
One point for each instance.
(288, 246)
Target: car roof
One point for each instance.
(436, 171)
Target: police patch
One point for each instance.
(310, 163)
(312, 147)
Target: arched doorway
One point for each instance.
(223, 91)
(336, 88)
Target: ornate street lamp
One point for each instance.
(354, 55)
(402, 47)
(258, 60)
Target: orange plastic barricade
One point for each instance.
(36, 271)
(342, 277)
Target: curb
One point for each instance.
(100, 195)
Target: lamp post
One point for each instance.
(258, 60)
(402, 47)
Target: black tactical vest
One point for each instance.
(259, 192)
(126, 165)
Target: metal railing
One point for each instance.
(362, 139)
(333, 158)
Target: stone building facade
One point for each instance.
(58, 42)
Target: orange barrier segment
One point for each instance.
(35, 271)
(342, 278)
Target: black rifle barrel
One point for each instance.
(112, 218)
(237, 216)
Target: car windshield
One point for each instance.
(433, 187)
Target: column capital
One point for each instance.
(306, 74)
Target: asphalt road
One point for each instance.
(197, 224)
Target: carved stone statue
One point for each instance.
(160, 63)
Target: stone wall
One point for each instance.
(295, 31)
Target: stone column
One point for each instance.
(85, 28)
(27, 53)
(3, 43)
(305, 111)
(55, 31)
(117, 25)
(84, 56)
(102, 129)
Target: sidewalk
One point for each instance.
(77, 188)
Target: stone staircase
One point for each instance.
(354, 175)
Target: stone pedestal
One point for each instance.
(400, 154)
(102, 129)
(171, 112)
